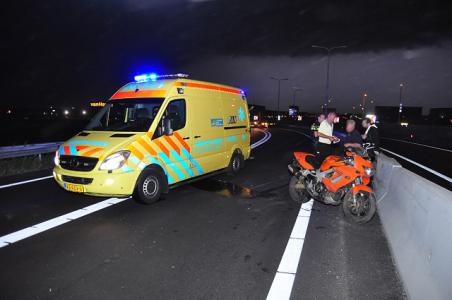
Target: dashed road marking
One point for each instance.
(281, 287)
(25, 181)
(55, 222)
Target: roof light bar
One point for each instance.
(154, 77)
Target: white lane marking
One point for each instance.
(284, 278)
(25, 181)
(413, 143)
(52, 223)
(267, 136)
(420, 166)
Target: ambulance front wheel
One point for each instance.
(149, 186)
(237, 162)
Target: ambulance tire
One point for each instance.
(237, 162)
(149, 187)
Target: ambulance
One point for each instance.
(154, 134)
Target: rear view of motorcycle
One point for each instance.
(339, 180)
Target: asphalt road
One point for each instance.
(220, 238)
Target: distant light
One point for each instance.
(255, 118)
(66, 112)
(404, 124)
(300, 118)
(9, 111)
(83, 112)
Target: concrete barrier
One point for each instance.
(417, 219)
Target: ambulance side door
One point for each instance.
(207, 131)
(175, 148)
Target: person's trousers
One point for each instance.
(323, 150)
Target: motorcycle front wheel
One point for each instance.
(297, 190)
(360, 207)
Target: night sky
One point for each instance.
(72, 52)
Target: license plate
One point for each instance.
(74, 187)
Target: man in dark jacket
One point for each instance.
(371, 136)
(352, 138)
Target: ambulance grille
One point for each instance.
(77, 180)
(78, 163)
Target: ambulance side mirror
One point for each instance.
(167, 129)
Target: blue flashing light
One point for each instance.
(154, 77)
(146, 77)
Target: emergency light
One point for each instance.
(154, 77)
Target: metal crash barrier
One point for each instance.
(26, 150)
(417, 219)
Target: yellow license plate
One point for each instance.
(74, 187)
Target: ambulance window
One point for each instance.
(134, 115)
(176, 112)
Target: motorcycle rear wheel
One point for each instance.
(297, 190)
(363, 209)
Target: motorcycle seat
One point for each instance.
(313, 161)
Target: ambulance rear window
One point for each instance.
(126, 115)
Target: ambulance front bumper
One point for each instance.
(96, 183)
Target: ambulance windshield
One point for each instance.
(128, 115)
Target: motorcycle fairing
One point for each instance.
(361, 187)
(301, 157)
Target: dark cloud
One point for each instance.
(74, 51)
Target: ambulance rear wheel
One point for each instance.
(236, 163)
(149, 187)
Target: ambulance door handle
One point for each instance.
(197, 136)
(186, 138)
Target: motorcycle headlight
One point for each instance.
(56, 159)
(115, 161)
(369, 172)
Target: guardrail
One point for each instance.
(26, 150)
(417, 219)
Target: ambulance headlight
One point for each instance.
(115, 161)
(56, 159)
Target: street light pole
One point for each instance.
(400, 102)
(364, 103)
(279, 88)
(327, 85)
(295, 90)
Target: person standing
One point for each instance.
(326, 137)
(315, 126)
(371, 136)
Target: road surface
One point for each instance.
(220, 238)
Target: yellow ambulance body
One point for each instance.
(153, 134)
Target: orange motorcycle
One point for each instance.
(338, 180)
